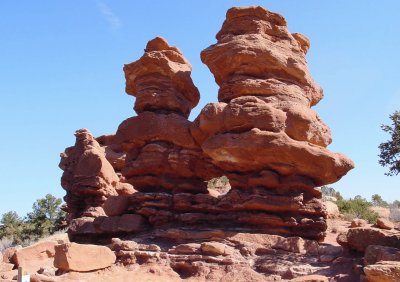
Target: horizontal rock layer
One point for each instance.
(262, 135)
(297, 213)
(256, 150)
(256, 43)
(244, 113)
(261, 209)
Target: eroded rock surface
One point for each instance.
(160, 151)
(198, 254)
(88, 177)
(218, 255)
(160, 80)
(81, 258)
(264, 120)
(262, 135)
(35, 256)
(358, 239)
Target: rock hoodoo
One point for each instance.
(264, 121)
(160, 151)
(88, 177)
(263, 135)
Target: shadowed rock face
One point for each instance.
(262, 134)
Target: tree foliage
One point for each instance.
(46, 218)
(356, 207)
(46, 215)
(396, 204)
(12, 226)
(378, 201)
(390, 150)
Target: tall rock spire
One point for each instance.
(263, 133)
(161, 152)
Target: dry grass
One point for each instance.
(60, 235)
(5, 243)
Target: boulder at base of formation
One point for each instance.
(82, 258)
(34, 257)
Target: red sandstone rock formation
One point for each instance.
(88, 177)
(91, 183)
(264, 120)
(160, 80)
(262, 134)
(161, 152)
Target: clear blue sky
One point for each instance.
(61, 69)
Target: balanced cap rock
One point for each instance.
(262, 134)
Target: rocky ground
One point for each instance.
(366, 253)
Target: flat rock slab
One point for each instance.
(8, 275)
(82, 258)
(34, 257)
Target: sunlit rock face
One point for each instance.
(264, 119)
(262, 134)
(160, 80)
(161, 153)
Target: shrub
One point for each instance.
(44, 220)
(357, 207)
(390, 150)
(378, 201)
(12, 227)
(46, 216)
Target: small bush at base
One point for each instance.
(357, 208)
